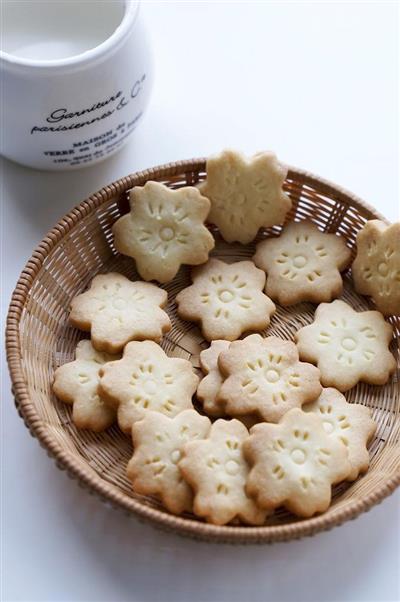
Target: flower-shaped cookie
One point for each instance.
(147, 379)
(245, 194)
(303, 264)
(116, 310)
(210, 385)
(350, 423)
(164, 229)
(77, 383)
(227, 299)
(376, 269)
(217, 471)
(294, 463)
(158, 442)
(347, 346)
(264, 376)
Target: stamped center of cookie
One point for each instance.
(272, 375)
(119, 303)
(241, 199)
(166, 233)
(383, 269)
(328, 426)
(298, 456)
(176, 455)
(349, 343)
(299, 261)
(225, 296)
(150, 387)
(232, 467)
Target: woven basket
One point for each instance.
(39, 339)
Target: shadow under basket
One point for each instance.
(39, 339)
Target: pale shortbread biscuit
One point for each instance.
(265, 376)
(147, 379)
(347, 346)
(227, 299)
(164, 229)
(376, 268)
(350, 423)
(217, 471)
(303, 264)
(158, 442)
(246, 193)
(210, 385)
(294, 464)
(77, 383)
(116, 310)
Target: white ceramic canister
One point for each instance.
(76, 78)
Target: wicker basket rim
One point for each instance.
(268, 533)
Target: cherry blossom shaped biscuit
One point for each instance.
(303, 264)
(350, 423)
(246, 193)
(116, 310)
(376, 268)
(164, 229)
(147, 379)
(217, 471)
(227, 299)
(265, 376)
(77, 383)
(294, 464)
(210, 385)
(347, 346)
(158, 442)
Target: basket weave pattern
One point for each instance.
(39, 339)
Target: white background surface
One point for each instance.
(317, 82)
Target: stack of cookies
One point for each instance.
(273, 428)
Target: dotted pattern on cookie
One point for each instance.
(303, 264)
(347, 346)
(227, 299)
(294, 463)
(158, 443)
(265, 376)
(217, 471)
(116, 310)
(164, 229)
(350, 423)
(147, 379)
(245, 194)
